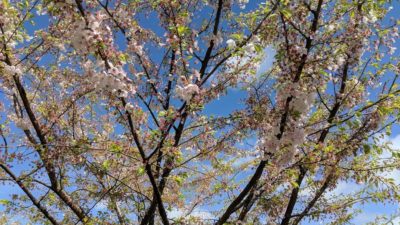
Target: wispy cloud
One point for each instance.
(176, 213)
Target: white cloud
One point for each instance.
(344, 188)
(239, 162)
(268, 60)
(375, 217)
(365, 217)
(395, 145)
(265, 64)
(101, 205)
(396, 220)
(199, 213)
(396, 142)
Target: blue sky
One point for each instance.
(228, 103)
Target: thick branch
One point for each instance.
(253, 181)
(35, 202)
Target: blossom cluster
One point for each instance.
(88, 35)
(22, 123)
(114, 80)
(185, 90)
(283, 143)
(11, 70)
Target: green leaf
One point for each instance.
(237, 37)
(4, 202)
(162, 113)
(178, 180)
(182, 30)
(6, 4)
(106, 164)
(367, 148)
(258, 48)
(123, 57)
(115, 148)
(294, 184)
(141, 171)
(286, 13)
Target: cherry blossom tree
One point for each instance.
(104, 110)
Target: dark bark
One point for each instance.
(35, 202)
